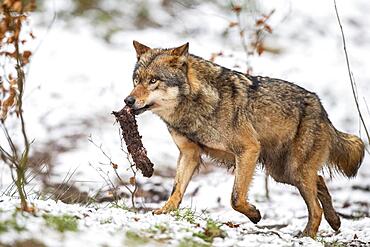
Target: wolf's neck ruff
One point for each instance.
(206, 97)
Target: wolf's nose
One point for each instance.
(130, 100)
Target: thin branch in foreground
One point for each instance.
(132, 180)
(350, 74)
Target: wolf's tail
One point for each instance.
(346, 153)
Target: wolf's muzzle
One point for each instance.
(130, 100)
(138, 111)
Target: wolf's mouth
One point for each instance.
(142, 109)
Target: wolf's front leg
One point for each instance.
(245, 165)
(186, 165)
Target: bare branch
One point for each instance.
(350, 74)
(115, 166)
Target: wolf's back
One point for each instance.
(346, 153)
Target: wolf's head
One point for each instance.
(159, 77)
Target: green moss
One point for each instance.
(120, 206)
(108, 220)
(185, 214)
(334, 243)
(134, 239)
(11, 224)
(189, 242)
(159, 228)
(61, 223)
(211, 231)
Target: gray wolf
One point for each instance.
(240, 120)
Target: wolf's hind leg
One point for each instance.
(307, 187)
(244, 170)
(308, 152)
(187, 163)
(329, 212)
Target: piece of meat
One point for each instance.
(132, 138)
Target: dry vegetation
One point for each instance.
(15, 58)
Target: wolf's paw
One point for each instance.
(248, 210)
(305, 233)
(334, 221)
(165, 209)
(253, 213)
(254, 216)
(159, 211)
(298, 234)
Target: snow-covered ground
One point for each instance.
(107, 224)
(76, 80)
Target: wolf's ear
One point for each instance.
(140, 48)
(181, 50)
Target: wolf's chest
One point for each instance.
(203, 134)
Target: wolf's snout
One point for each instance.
(130, 100)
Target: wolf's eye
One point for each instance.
(152, 81)
(136, 82)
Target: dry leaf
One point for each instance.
(7, 103)
(260, 49)
(31, 6)
(268, 28)
(8, 3)
(17, 6)
(26, 57)
(260, 22)
(231, 225)
(233, 24)
(237, 8)
(114, 165)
